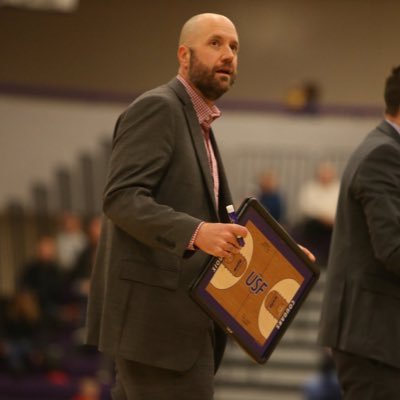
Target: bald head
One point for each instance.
(196, 27)
(207, 54)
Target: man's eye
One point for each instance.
(215, 43)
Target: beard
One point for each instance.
(205, 78)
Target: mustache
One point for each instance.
(228, 66)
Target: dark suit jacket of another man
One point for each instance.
(361, 308)
(158, 190)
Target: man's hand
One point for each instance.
(219, 240)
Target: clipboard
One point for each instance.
(255, 295)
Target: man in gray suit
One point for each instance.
(164, 206)
(360, 315)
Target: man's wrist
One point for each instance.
(191, 245)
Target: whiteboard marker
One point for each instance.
(234, 220)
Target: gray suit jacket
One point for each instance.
(158, 190)
(361, 308)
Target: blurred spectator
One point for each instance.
(270, 196)
(22, 334)
(42, 276)
(303, 98)
(80, 274)
(317, 207)
(71, 240)
(324, 385)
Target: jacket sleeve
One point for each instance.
(143, 145)
(377, 187)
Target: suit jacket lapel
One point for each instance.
(200, 148)
(197, 138)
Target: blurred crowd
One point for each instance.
(316, 207)
(42, 322)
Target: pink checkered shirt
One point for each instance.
(206, 115)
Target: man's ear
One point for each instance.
(183, 56)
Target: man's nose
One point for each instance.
(228, 53)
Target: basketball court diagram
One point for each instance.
(257, 286)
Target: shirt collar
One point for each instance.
(395, 126)
(206, 114)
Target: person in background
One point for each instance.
(270, 196)
(41, 275)
(79, 278)
(324, 384)
(303, 98)
(71, 240)
(360, 319)
(22, 334)
(80, 274)
(317, 208)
